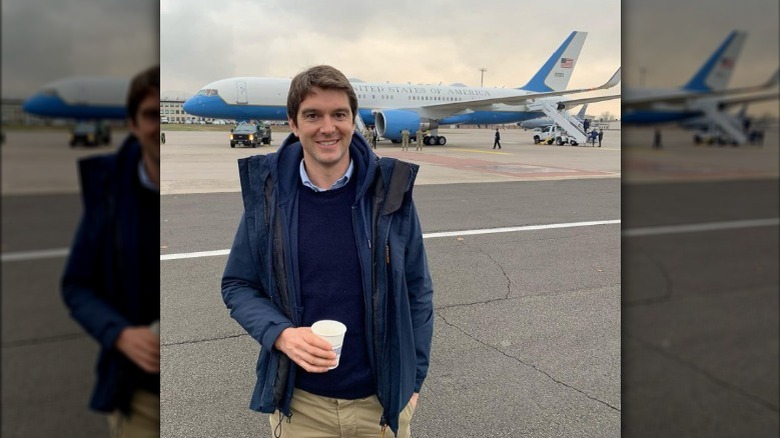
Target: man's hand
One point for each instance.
(309, 351)
(142, 346)
(413, 400)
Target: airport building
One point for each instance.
(171, 111)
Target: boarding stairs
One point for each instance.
(562, 118)
(360, 125)
(724, 123)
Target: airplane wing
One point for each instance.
(725, 103)
(574, 102)
(442, 110)
(678, 97)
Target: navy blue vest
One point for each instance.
(331, 288)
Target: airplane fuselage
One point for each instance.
(266, 99)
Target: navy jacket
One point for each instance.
(100, 283)
(260, 283)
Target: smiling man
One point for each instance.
(330, 232)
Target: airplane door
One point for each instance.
(241, 93)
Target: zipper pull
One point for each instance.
(387, 254)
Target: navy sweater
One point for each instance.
(331, 288)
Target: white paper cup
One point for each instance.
(333, 332)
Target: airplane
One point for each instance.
(395, 107)
(82, 98)
(704, 97)
(543, 122)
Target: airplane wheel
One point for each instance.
(232, 145)
(442, 141)
(162, 137)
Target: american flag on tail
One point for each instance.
(567, 62)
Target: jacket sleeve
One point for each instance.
(420, 287)
(249, 304)
(84, 282)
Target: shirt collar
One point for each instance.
(341, 182)
(144, 178)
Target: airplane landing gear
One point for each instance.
(432, 140)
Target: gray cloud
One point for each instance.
(44, 40)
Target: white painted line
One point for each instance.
(35, 255)
(194, 255)
(513, 229)
(425, 236)
(694, 228)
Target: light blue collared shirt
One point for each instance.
(144, 177)
(341, 182)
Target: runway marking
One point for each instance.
(425, 236)
(35, 255)
(694, 228)
(646, 231)
(481, 151)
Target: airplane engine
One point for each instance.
(390, 123)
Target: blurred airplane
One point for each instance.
(704, 97)
(87, 99)
(395, 107)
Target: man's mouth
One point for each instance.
(327, 142)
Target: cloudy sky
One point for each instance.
(45, 40)
(418, 41)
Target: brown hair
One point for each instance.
(321, 76)
(142, 85)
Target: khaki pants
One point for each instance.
(321, 417)
(144, 421)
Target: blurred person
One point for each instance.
(419, 134)
(497, 139)
(111, 282)
(601, 136)
(657, 139)
(405, 140)
(327, 228)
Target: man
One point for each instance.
(497, 140)
(601, 136)
(330, 231)
(419, 134)
(111, 282)
(405, 140)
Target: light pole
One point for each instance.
(482, 75)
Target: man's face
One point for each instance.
(146, 126)
(325, 124)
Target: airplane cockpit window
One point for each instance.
(208, 92)
(48, 92)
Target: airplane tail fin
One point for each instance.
(716, 72)
(556, 72)
(581, 114)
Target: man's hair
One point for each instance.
(142, 85)
(321, 76)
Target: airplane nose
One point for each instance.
(39, 105)
(189, 104)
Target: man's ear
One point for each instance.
(293, 127)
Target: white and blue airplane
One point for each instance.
(395, 107)
(703, 98)
(88, 99)
(81, 98)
